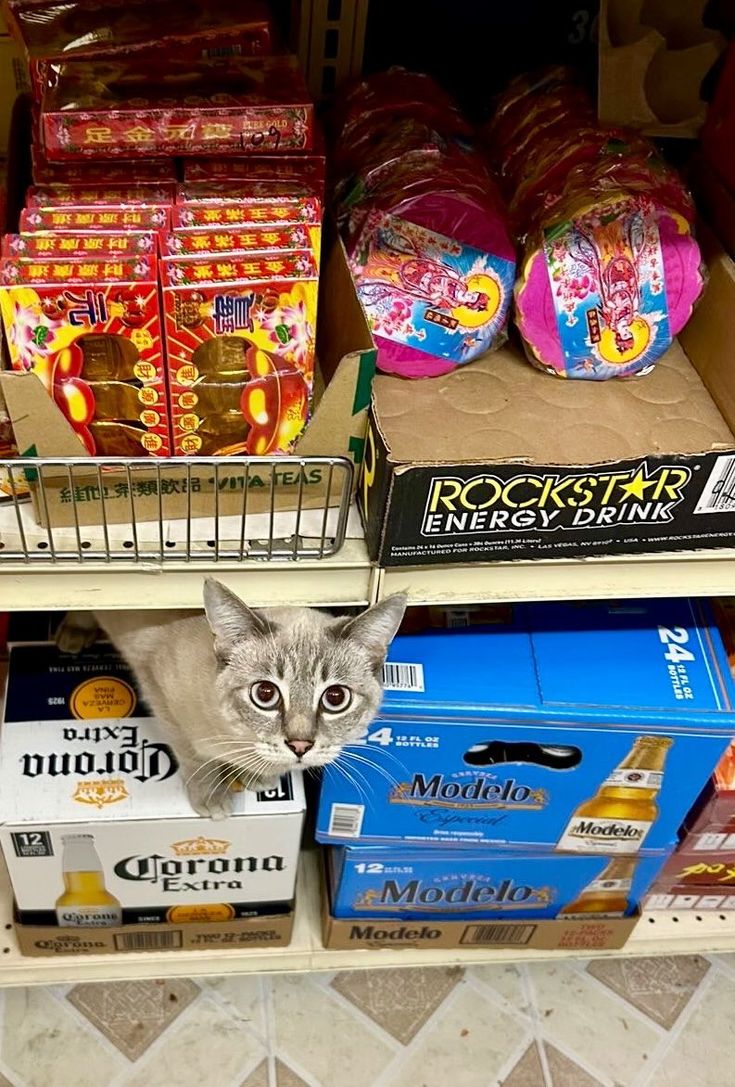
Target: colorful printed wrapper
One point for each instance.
(91, 331)
(217, 191)
(55, 196)
(111, 110)
(240, 343)
(75, 220)
(307, 169)
(191, 243)
(103, 244)
(99, 172)
(186, 217)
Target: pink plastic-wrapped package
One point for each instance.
(425, 228)
(611, 270)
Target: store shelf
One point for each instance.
(656, 934)
(343, 579)
(686, 573)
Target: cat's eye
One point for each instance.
(336, 698)
(265, 695)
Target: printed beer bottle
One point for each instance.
(620, 816)
(86, 902)
(606, 896)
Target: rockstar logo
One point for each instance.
(637, 486)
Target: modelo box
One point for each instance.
(412, 884)
(97, 828)
(583, 728)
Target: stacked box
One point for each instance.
(97, 830)
(507, 776)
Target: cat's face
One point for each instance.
(294, 685)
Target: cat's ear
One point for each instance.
(229, 619)
(377, 627)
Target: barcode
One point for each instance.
(718, 495)
(403, 677)
(345, 820)
(497, 934)
(148, 941)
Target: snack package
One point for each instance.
(424, 225)
(611, 269)
(240, 343)
(138, 195)
(76, 220)
(57, 31)
(90, 330)
(208, 216)
(161, 107)
(256, 239)
(102, 245)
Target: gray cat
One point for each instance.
(249, 695)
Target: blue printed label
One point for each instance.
(607, 280)
(429, 291)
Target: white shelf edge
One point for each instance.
(655, 934)
(686, 573)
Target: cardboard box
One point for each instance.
(245, 932)
(97, 829)
(498, 461)
(445, 884)
(520, 735)
(653, 60)
(337, 428)
(371, 933)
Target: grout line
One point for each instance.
(375, 1028)
(502, 1002)
(667, 1044)
(269, 1020)
(526, 1043)
(535, 1016)
(621, 1000)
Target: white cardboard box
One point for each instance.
(97, 828)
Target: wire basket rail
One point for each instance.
(72, 512)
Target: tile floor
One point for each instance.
(665, 1022)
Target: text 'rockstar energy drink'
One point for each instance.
(85, 902)
(608, 895)
(619, 817)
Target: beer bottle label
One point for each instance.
(587, 915)
(589, 834)
(608, 885)
(88, 916)
(635, 779)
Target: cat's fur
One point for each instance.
(197, 672)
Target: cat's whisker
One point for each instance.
(350, 779)
(359, 773)
(373, 766)
(375, 749)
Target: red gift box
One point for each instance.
(103, 244)
(73, 220)
(155, 108)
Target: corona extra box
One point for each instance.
(97, 829)
(582, 728)
(410, 884)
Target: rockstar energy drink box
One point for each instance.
(585, 728)
(97, 828)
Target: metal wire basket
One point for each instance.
(149, 510)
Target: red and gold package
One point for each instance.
(98, 172)
(101, 196)
(240, 344)
(308, 169)
(91, 331)
(78, 220)
(217, 191)
(185, 217)
(168, 107)
(255, 239)
(102, 245)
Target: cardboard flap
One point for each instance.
(40, 428)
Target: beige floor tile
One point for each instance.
(565, 1072)
(258, 1077)
(466, 1046)
(505, 981)
(399, 1001)
(528, 1072)
(704, 1053)
(44, 1043)
(659, 987)
(205, 1040)
(132, 1014)
(318, 1034)
(246, 997)
(286, 1077)
(577, 1013)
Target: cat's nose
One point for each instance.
(299, 747)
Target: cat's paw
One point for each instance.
(212, 803)
(77, 631)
